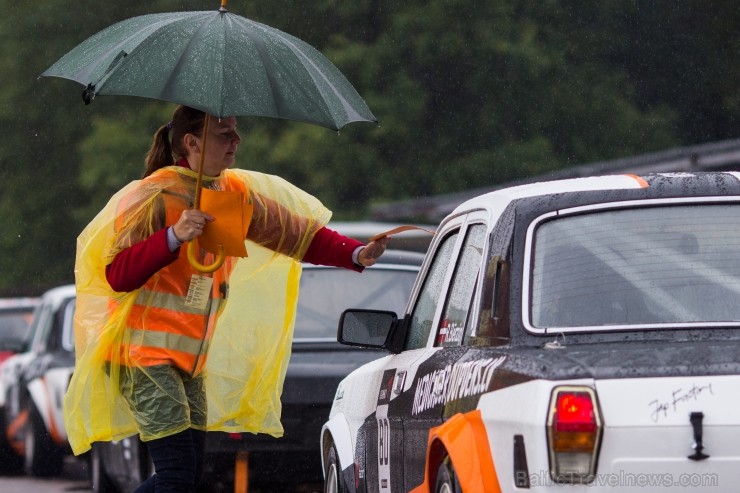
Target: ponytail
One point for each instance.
(160, 152)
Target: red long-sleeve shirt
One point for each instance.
(132, 267)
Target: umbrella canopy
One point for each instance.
(217, 62)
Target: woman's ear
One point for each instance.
(191, 143)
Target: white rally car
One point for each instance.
(572, 336)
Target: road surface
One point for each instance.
(72, 480)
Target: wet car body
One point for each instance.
(16, 315)
(316, 366)
(35, 385)
(562, 336)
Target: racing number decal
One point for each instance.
(384, 448)
(384, 433)
(384, 430)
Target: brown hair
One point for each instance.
(185, 120)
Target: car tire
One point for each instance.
(100, 482)
(333, 473)
(446, 478)
(43, 458)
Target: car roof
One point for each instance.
(609, 188)
(413, 239)
(56, 296)
(19, 303)
(505, 196)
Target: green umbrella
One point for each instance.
(217, 62)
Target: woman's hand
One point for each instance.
(190, 225)
(372, 251)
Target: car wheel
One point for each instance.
(99, 479)
(446, 478)
(333, 473)
(43, 458)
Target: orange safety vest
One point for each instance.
(167, 324)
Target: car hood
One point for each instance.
(316, 368)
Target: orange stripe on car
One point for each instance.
(464, 440)
(11, 432)
(640, 180)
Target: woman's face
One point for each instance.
(220, 146)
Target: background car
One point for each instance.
(563, 336)
(16, 315)
(316, 366)
(35, 383)
(15, 320)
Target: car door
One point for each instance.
(395, 455)
(443, 377)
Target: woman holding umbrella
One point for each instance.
(160, 352)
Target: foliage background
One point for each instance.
(468, 93)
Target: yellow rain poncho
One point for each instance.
(250, 346)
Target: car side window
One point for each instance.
(68, 335)
(457, 308)
(53, 341)
(423, 314)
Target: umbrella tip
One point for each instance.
(224, 4)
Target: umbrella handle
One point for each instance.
(205, 268)
(196, 205)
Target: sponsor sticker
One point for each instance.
(454, 382)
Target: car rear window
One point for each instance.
(648, 266)
(326, 292)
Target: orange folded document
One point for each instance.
(229, 228)
(399, 229)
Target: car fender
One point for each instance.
(464, 440)
(337, 431)
(10, 372)
(47, 394)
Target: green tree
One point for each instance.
(468, 94)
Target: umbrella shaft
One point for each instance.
(199, 181)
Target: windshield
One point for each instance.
(326, 292)
(646, 266)
(14, 329)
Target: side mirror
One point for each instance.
(365, 328)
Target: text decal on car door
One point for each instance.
(454, 382)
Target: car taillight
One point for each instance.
(574, 430)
